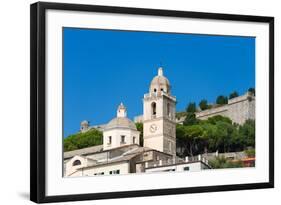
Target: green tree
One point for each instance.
(218, 118)
(222, 162)
(250, 152)
(190, 136)
(190, 119)
(218, 132)
(208, 137)
(215, 133)
(224, 135)
(191, 107)
(247, 132)
(252, 90)
(180, 114)
(203, 104)
(236, 140)
(82, 140)
(222, 100)
(180, 140)
(140, 129)
(234, 94)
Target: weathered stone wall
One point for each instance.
(238, 109)
(222, 110)
(241, 108)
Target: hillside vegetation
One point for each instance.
(82, 140)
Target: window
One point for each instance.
(100, 173)
(170, 146)
(161, 89)
(109, 140)
(155, 90)
(115, 172)
(123, 139)
(134, 140)
(168, 109)
(153, 108)
(169, 170)
(76, 163)
(186, 169)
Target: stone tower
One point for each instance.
(159, 120)
(84, 126)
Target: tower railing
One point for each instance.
(175, 161)
(157, 94)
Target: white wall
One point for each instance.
(70, 169)
(14, 109)
(116, 137)
(123, 167)
(193, 167)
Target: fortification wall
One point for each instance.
(238, 109)
(242, 109)
(203, 115)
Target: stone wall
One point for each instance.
(238, 109)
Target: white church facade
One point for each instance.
(121, 152)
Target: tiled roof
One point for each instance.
(93, 149)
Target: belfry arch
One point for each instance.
(153, 109)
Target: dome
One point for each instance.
(160, 83)
(121, 122)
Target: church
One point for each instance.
(121, 152)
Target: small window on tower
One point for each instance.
(153, 108)
(155, 90)
(123, 139)
(170, 146)
(134, 140)
(109, 140)
(168, 109)
(161, 89)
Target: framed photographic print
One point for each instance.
(129, 102)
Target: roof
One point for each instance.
(141, 149)
(96, 149)
(160, 80)
(115, 160)
(83, 151)
(160, 83)
(121, 122)
(126, 156)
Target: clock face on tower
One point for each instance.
(153, 128)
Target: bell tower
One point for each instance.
(159, 120)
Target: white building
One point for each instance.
(120, 131)
(159, 120)
(194, 166)
(121, 152)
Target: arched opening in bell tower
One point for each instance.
(153, 109)
(168, 110)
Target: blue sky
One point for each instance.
(103, 68)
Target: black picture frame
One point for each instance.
(38, 100)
